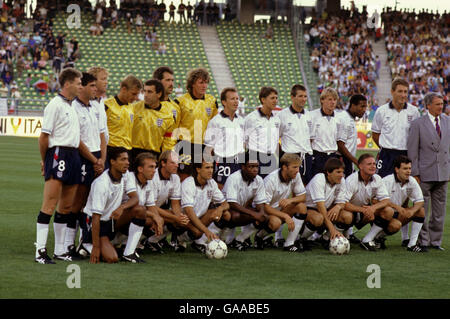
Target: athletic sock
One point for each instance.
(348, 232)
(378, 225)
(184, 237)
(405, 229)
(214, 229)
(42, 223)
(134, 234)
(71, 231)
(308, 230)
(231, 236)
(279, 233)
(416, 226)
(60, 227)
(202, 240)
(225, 233)
(292, 235)
(155, 238)
(246, 232)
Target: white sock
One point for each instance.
(184, 238)
(60, 234)
(225, 234)
(246, 232)
(415, 230)
(292, 235)
(279, 233)
(202, 240)
(69, 238)
(88, 247)
(405, 229)
(134, 234)
(307, 232)
(374, 230)
(314, 236)
(326, 235)
(41, 236)
(349, 232)
(155, 239)
(214, 229)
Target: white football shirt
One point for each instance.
(106, 195)
(278, 189)
(295, 131)
(165, 189)
(61, 123)
(360, 194)
(393, 126)
(198, 197)
(399, 193)
(145, 192)
(261, 134)
(100, 105)
(324, 132)
(90, 125)
(237, 190)
(319, 190)
(347, 132)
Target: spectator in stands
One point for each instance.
(3, 90)
(199, 12)
(172, 12)
(129, 20)
(114, 17)
(181, 9)
(54, 85)
(7, 79)
(139, 22)
(162, 49)
(189, 9)
(41, 86)
(15, 100)
(178, 90)
(96, 29)
(42, 64)
(209, 14)
(28, 80)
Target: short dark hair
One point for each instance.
(331, 164)
(223, 94)
(159, 72)
(87, 78)
(297, 87)
(399, 81)
(363, 157)
(399, 160)
(139, 160)
(159, 87)
(114, 152)
(68, 75)
(266, 91)
(355, 99)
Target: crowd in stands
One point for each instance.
(417, 46)
(341, 53)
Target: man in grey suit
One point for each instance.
(429, 150)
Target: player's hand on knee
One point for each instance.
(95, 255)
(117, 213)
(290, 223)
(183, 220)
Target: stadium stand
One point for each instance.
(123, 53)
(417, 46)
(257, 61)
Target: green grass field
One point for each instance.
(252, 274)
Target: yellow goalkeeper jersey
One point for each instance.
(198, 111)
(171, 107)
(152, 128)
(120, 120)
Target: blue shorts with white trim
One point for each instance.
(64, 164)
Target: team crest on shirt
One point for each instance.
(209, 194)
(59, 174)
(289, 124)
(159, 122)
(208, 111)
(336, 191)
(277, 125)
(374, 191)
(409, 191)
(410, 118)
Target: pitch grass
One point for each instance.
(253, 274)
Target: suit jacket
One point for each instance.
(430, 155)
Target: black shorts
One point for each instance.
(385, 160)
(64, 164)
(106, 229)
(188, 154)
(87, 170)
(225, 166)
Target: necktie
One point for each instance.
(438, 128)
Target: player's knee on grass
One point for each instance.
(394, 226)
(108, 252)
(274, 223)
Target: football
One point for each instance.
(216, 249)
(339, 246)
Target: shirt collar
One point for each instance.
(362, 180)
(433, 118)
(281, 177)
(294, 111)
(194, 98)
(150, 108)
(198, 184)
(246, 179)
(139, 182)
(349, 113)
(161, 176)
(397, 180)
(224, 115)
(262, 114)
(323, 113)
(391, 106)
(119, 101)
(82, 104)
(65, 99)
(113, 179)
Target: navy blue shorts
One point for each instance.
(224, 167)
(267, 162)
(318, 161)
(87, 170)
(63, 164)
(348, 166)
(305, 168)
(385, 161)
(106, 229)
